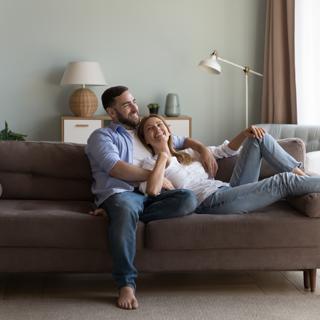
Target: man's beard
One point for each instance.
(127, 122)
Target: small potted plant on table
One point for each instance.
(153, 108)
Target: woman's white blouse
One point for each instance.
(192, 176)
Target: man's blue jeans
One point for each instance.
(124, 210)
(246, 193)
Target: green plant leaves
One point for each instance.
(7, 134)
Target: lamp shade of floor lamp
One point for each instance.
(211, 64)
(83, 102)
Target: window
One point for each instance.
(307, 59)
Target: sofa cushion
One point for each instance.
(308, 204)
(275, 226)
(44, 170)
(54, 224)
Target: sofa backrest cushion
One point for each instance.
(293, 146)
(309, 134)
(44, 170)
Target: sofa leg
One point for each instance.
(306, 279)
(313, 279)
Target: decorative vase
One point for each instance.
(172, 105)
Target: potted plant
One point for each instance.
(153, 108)
(7, 134)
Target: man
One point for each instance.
(115, 154)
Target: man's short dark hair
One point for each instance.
(108, 97)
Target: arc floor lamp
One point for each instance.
(212, 65)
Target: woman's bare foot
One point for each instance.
(298, 171)
(127, 299)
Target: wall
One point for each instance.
(151, 46)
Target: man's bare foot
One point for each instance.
(98, 212)
(298, 171)
(127, 299)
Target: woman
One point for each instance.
(244, 192)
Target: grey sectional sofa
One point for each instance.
(45, 225)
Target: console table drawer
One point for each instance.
(78, 131)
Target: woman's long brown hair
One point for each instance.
(182, 157)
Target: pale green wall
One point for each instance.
(151, 46)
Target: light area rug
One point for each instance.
(261, 296)
(168, 305)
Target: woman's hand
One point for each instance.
(167, 184)
(164, 156)
(254, 132)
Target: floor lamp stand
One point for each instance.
(246, 71)
(211, 64)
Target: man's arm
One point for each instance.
(207, 159)
(128, 172)
(103, 152)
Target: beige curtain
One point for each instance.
(279, 87)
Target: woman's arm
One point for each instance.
(251, 132)
(156, 177)
(237, 141)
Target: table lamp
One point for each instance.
(83, 102)
(212, 65)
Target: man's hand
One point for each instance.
(167, 184)
(207, 159)
(209, 162)
(254, 132)
(98, 212)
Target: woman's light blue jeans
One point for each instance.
(246, 193)
(124, 210)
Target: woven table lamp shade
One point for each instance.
(83, 102)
